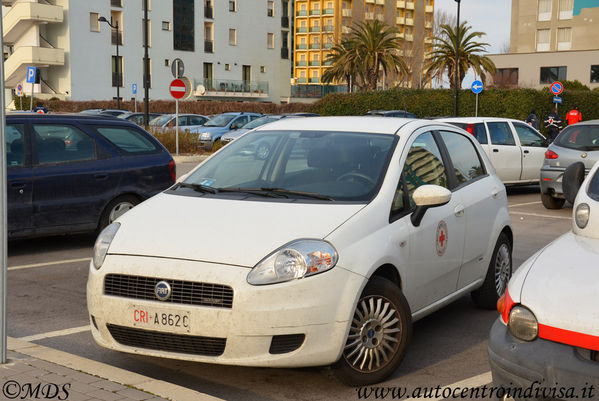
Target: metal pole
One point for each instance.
(3, 214)
(457, 64)
(32, 85)
(146, 68)
(177, 113)
(476, 111)
(118, 68)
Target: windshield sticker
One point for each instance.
(207, 182)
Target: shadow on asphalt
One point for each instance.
(50, 244)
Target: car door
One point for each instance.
(533, 146)
(73, 179)
(19, 185)
(504, 153)
(478, 192)
(435, 246)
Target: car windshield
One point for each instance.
(324, 165)
(160, 121)
(219, 121)
(260, 121)
(580, 137)
(594, 187)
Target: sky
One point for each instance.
(490, 16)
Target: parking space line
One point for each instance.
(57, 333)
(525, 204)
(545, 216)
(471, 382)
(58, 262)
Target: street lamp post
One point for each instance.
(457, 64)
(118, 63)
(146, 74)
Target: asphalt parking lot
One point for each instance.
(47, 306)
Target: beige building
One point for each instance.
(551, 40)
(320, 24)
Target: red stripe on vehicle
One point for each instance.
(546, 179)
(569, 337)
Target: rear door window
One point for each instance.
(464, 157)
(195, 120)
(500, 133)
(61, 143)
(15, 145)
(128, 140)
(528, 136)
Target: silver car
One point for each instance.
(576, 143)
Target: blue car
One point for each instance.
(214, 128)
(71, 174)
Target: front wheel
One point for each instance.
(116, 208)
(498, 275)
(378, 336)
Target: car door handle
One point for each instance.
(101, 177)
(495, 193)
(526, 151)
(459, 211)
(496, 150)
(18, 185)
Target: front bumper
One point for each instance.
(551, 181)
(319, 307)
(540, 364)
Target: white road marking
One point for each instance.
(471, 382)
(56, 333)
(546, 216)
(58, 262)
(525, 204)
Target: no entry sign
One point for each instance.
(177, 88)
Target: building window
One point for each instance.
(262, 69)
(543, 38)
(551, 74)
(595, 74)
(143, 32)
(117, 71)
(208, 76)
(94, 24)
(183, 25)
(565, 9)
(233, 37)
(564, 38)
(227, 67)
(544, 10)
(232, 5)
(208, 37)
(270, 40)
(270, 8)
(116, 3)
(166, 26)
(506, 77)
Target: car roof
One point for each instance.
(238, 113)
(86, 118)
(372, 124)
(475, 119)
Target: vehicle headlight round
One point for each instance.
(581, 215)
(295, 260)
(523, 324)
(103, 243)
(205, 135)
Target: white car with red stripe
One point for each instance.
(548, 331)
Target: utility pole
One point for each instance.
(457, 64)
(146, 75)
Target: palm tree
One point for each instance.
(342, 64)
(443, 54)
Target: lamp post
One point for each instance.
(146, 74)
(457, 63)
(118, 62)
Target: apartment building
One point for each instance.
(320, 24)
(231, 49)
(551, 40)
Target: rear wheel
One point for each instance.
(116, 208)
(378, 336)
(551, 202)
(498, 275)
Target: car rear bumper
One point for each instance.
(551, 181)
(540, 369)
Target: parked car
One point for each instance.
(547, 333)
(187, 122)
(138, 118)
(391, 113)
(515, 148)
(74, 173)
(324, 252)
(104, 112)
(212, 131)
(234, 134)
(578, 142)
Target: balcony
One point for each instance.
(380, 17)
(24, 15)
(229, 88)
(285, 53)
(314, 80)
(208, 12)
(428, 24)
(284, 22)
(327, 63)
(410, 21)
(315, 12)
(314, 63)
(345, 29)
(302, 13)
(301, 63)
(429, 9)
(328, 11)
(400, 20)
(301, 80)
(314, 46)
(380, 2)
(327, 46)
(399, 35)
(409, 37)
(428, 40)
(116, 37)
(369, 16)
(301, 46)
(370, 1)
(346, 12)
(400, 4)
(302, 29)
(208, 46)
(328, 28)
(410, 5)
(315, 29)
(15, 66)
(315, 91)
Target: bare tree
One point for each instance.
(505, 47)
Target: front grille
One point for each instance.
(154, 340)
(286, 343)
(183, 292)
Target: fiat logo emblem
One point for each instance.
(584, 155)
(162, 290)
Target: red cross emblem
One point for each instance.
(441, 238)
(550, 120)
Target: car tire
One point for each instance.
(116, 208)
(551, 202)
(381, 327)
(498, 275)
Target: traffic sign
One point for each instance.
(134, 88)
(177, 89)
(177, 68)
(556, 88)
(557, 99)
(477, 87)
(19, 90)
(31, 75)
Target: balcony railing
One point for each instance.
(208, 46)
(285, 22)
(284, 53)
(410, 5)
(327, 46)
(346, 12)
(301, 80)
(328, 28)
(327, 63)
(302, 29)
(400, 20)
(301, 46)
(301, 63)
(302, 13)
(235, 87)
(314, 63)
(314, 91)
(328, 11)
(315, 12)
(369, 15)
(410, 21)
(314, 80)
(116, 36)
(314, 29)
(208, 12)
(400, 4)
(314, 45)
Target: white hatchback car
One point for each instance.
(516, 149)
(323, 252)
(547, 337)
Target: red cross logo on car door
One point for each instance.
(441, 238)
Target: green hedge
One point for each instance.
(508, 103)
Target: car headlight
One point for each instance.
(581, 215)
(295, 260)
(205, 136)
(523, 323)
(103, 243)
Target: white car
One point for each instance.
(516, 149)
(322, 252)
(548, 331)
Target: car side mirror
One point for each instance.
(426, 197)
(572, 180)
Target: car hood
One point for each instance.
(212, 130)
(561, 286)
(232, 232)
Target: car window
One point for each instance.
(477, 130)
(239, 122)
(15, 145)
(128, 140)
(252, 118)
(580, 137)
(195, 120)
(464, 157)
(500, 133)
(528, 136)
(58, 143)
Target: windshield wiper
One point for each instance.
(199, 188)
(284, 191)
(253, 191)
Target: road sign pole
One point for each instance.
(476, 110)
(3, 212)
(177, 116)
(31, 103)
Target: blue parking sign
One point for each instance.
(31, 75)
(134, 88)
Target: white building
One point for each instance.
(235, 49)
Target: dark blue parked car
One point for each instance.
(72, 173)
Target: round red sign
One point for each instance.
(177, 88)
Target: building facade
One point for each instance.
(230, 49)
(551, 40)
(320, 24)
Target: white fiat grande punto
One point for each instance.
(306, 242)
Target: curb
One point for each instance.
(190, 158)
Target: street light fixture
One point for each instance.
(118, 62)
(457, 63)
